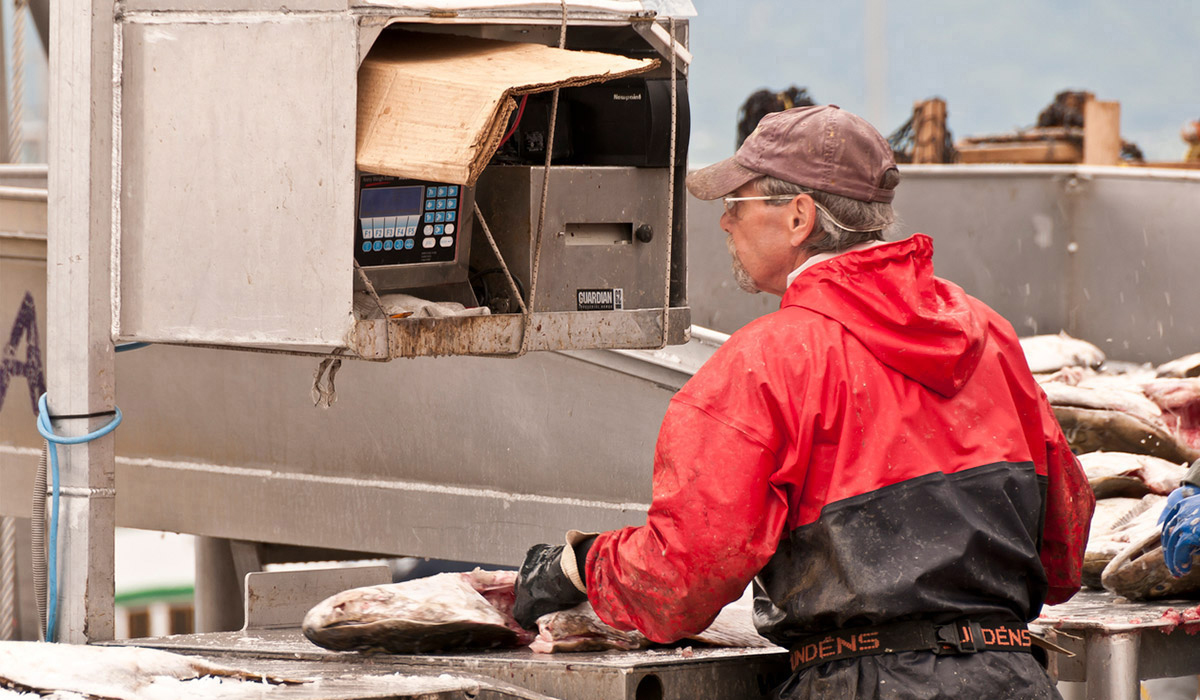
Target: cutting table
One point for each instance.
(678, 673)
(1118, 643)
(271, 642)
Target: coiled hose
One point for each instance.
(38, 539)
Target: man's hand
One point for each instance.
(1180, 522)
(552, 578)
(543, 586)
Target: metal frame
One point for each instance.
(86, 199)
(80, 354)
(1118, 643)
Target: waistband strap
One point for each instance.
(958, 637)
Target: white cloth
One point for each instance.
(822, 257)
(397, 304)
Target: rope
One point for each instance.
(47, 431)
(37, 533)
(537, 250)
(370, 288)
(8, 578)
(666, 320)
(16, 99)
(512, 284)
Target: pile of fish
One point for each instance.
(473, 611)
(1135, 429)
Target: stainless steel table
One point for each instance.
(1118, 643)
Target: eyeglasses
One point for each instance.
(731, 202)
(731, 208)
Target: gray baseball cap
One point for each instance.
(822, 147)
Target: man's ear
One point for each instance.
(802, 218)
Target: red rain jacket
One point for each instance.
(875, 450)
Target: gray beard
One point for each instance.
(744, 281)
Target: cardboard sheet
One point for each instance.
(435, 106)
(619, 6)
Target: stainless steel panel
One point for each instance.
(1097, 252)
(503, 334)
(510, 198)
(1134, 290)
(281, 599)
(237, 193)
(135, 6)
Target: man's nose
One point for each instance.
(726, 222)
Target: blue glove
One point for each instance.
(1180, 522)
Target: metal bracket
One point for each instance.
(660, 39)
(278, 599)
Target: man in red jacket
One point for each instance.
(875, 456)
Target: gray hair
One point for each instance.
(842, 222)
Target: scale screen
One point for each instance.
(407, 222)
(391, 201)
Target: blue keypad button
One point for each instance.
(452, 191)
(408, 245)
(439, 216)
(442, 191)
(450, 215)
(452, 204)
(387, 245)
(429, 217)
(438, 229)
(377, 246)
(431, 191)
(430, 204)
(366, 246)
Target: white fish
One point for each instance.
(1186, 366)
(1047, 353)
(468, 610)
(1139, 572)
(1131, 400)
(1127, 474)
(1116, 523)
(580, 629)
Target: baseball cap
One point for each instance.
(822, 147)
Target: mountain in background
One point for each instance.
(996, 64)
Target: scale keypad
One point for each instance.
(403, 222)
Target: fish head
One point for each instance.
(1139, 572)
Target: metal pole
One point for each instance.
(80, 362)
(4, 125)
(218, 591)
(875, 53)
(1112, 667)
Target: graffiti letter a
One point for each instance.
(30, 367)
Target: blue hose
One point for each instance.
(43, 426)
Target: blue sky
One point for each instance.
(996, 64)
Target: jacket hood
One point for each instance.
(886, 296)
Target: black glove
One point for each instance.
(543, 584)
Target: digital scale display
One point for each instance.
(402, 222)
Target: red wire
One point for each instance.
(517, 121)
